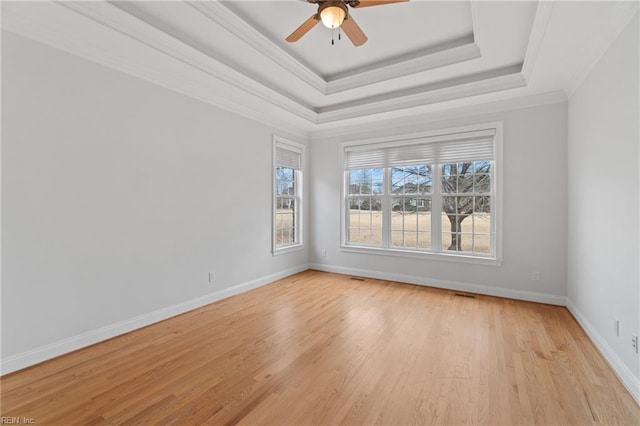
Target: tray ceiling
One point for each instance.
(421, 55)
(426, 26)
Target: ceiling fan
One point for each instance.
(335, 14)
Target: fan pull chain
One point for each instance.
(333, 31)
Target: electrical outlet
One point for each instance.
(212, 277)
(634, 342)
(323, 253)
(535, 276)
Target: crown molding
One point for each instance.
(625, 13)
(428, 94)
(475, 22)
(223, 16)
(415, 122)
(536, 37)
(448, 54)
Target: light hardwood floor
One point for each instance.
(319, 348)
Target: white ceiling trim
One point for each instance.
(455, 52)
(224, 17)
(424, 97)
(538, 31)
(415, 122)
(451, 83)
(475, 22)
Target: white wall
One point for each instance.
(603, 232)
(535, 209)
(118, 198)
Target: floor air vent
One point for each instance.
(357, 278)
(470, 296)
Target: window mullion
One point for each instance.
(493, 209)
(436, 208)
(386, 208)
(296, 206)
(347, 208)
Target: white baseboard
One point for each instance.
(623, 372)
(44, 353)
(529, 296)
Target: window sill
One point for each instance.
(287, 249)
(458, 258)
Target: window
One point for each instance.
(287, 195)
(432, 194)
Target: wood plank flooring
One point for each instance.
(319, 348)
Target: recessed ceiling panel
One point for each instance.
(394, 31)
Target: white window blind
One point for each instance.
(453, 148)
(288, 157)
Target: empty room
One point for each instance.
(290, 212)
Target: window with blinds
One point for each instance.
(431, 194)
(287, 194)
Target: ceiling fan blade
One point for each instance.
(367, 3)
(303, 29)
(353, 31)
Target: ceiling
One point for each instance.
(421, 57)
(426, 27)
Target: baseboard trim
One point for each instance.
(528, 296)
(623, 372)
(47, 352)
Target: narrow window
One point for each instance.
(287, 195)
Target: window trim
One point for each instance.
(436, 135)
(280, 142)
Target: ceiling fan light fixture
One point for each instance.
(333, 14)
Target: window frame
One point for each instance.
(494, 259)
(298, 244)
